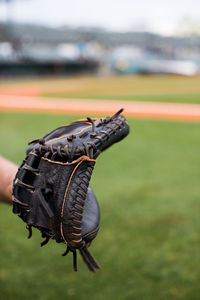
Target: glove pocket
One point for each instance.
(68, 183)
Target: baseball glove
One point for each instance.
(51, 189)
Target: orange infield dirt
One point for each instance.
(148, 110)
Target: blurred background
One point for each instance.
(122, 37)
(128, 53)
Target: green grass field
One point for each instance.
(148, 245)
(139, 88)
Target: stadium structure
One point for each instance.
(33, 49)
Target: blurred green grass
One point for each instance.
(148, 244)
(170, 98)
(167, 88)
